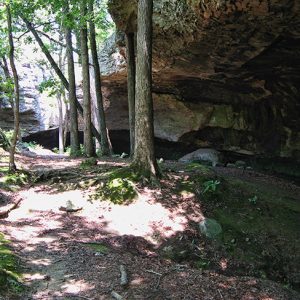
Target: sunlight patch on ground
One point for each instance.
(144, 217)
(35, 276)
(39, 200)
(41, 261)
(75, 287)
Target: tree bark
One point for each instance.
(57, 71)
(74, 138)
(12, 165)
(144, 159)
(87, 118)
(131, 87)
(100, 115)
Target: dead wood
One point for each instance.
(124, 277)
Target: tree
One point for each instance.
(87, 119)
(12, 166)
(131, 86)
(74, 138)
(100, 116)
(144, 159)
(57, 70)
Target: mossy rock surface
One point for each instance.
(119, 187)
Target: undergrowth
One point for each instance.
(260, 225)
(10, 277)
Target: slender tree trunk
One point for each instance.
(131, 87)
(74, 138)
(58, 71)
(87, 119)
(62, 59)
(60, 126)
(144, 161)
(5, 68)
(100, 115)
(12, 165)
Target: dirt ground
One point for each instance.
(78, 255)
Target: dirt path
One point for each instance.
(59, 264)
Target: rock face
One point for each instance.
(226, 74)
(36, 111)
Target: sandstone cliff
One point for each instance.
(226, 73)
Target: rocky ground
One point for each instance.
(69, 247)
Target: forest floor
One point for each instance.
(69, 242)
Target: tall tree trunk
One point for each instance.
(87, 118)
(12, 165)
(60, 125)
(100, 115)
(144, 159)
(57, 71)
(131, 87)
(59, 96)
(74, 138)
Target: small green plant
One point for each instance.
(32, 145)
(253, 200)
(88, 163)
(4, 140)
(210, 186)
(55, 150)
(80, 152)
(202, 264)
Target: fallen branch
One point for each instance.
(124, 277)
(116, 296)
(4, 211)
(153, 272)
(70, 210)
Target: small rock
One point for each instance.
(240, 164)
(230, 165)
(210, 228)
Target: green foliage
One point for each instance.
(12, 181)
(88, 163)
(210, 186)
(32, 145)
(10, 278)
(194, 166)
(202, 264)
(4, 140)
(51, 86)
(117, 191)
(99, 248)
(253, 199)
(80, 152)
(7, 86)
(118, 188)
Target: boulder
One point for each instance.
(210, 155)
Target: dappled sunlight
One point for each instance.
(73, 286)
(143, 218)
(35, 276)
(45, 201)
(41, 261)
